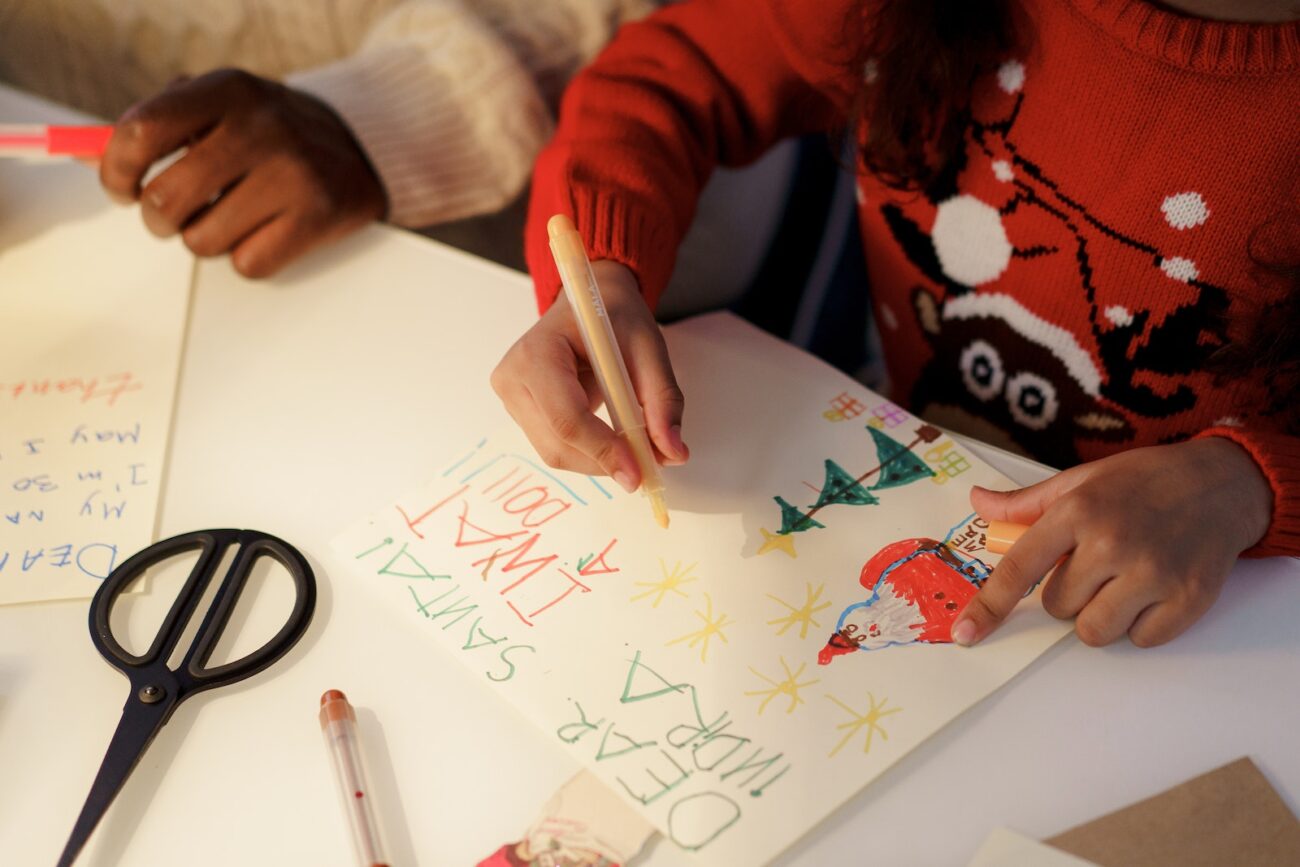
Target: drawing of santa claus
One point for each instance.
(917, 588)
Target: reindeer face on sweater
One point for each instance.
(999, 371)
(1054, 315)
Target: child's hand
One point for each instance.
(1146, 539)
(269, 172)
(546, 384)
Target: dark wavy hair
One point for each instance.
(923, 56)
(1268, 344)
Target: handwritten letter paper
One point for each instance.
(93, 314)
(740, 675)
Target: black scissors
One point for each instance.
(156, 688)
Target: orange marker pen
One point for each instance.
(1001, 535)
(338, 723)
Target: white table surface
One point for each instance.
(311, 400)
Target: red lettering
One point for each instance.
(488, 536)
(410, 524)
(597, 565)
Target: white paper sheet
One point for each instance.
(1006, 848)
(93, 312)
(683, 666)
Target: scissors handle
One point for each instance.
(157, 688)
(193, 673)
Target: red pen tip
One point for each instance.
(332, 695)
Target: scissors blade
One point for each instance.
(140, 723)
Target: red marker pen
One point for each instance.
(338, 723)
(40, 140)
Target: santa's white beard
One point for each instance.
(899, 621)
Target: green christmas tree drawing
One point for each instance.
(840, 487)
(896, 464)
(793, 520)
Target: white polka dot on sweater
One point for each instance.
(970, 241)
(1119, 315)
(1185, 210)
(1011, 76)
(870, 70)
(1180, 269)
(860, 193)
(1002, 171)
(1228, 421)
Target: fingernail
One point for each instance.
(624, 480)
(675, 440)
(963, 633)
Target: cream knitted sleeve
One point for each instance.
(451, 109)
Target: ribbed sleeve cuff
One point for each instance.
(1278, 457)
(612, 227)
(424, 139)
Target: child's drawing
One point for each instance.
(681, 672)
(789, 686)
(916, 588)
(803, 615)
(674, 578)
(947, 461)
(844, 406)
(869, 721)
(713, 626)
(582, 825)
(895, 464)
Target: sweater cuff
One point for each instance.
(420, 139)
(613, 226)
(1278, 457)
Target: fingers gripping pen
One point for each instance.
(606, 358)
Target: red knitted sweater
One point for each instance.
(1059, 289)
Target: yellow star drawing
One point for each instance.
(790, 686)
(870, 719)
(802, 615)
(672, 583)
(777, 542)
(712, 626)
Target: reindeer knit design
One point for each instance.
(1060, 287)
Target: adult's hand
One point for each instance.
(268, 172)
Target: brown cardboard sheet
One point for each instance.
(1231, 815)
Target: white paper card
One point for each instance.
(1006, 848)
(740, 675)
(93, 311)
